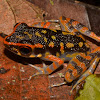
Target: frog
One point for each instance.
(57, 46)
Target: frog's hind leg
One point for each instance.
(84, 30)
(57, 62)
(78, 65)
(86, 74)
(75, 26)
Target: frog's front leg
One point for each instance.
(41, 24)
(86, 74)
(57, 62)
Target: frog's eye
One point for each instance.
(25, 50)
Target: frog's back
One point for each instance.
(53, 41)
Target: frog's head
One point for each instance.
(20, 41)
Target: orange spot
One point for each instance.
(74, 30)
(74, 73)
(54, 58)
(94, 36)
(34, 24)
(88, 57)
(82, 65)
(70, 67)
(81, 37)
(49, 70)
(18, 44)
(54, 66)
(74, 23)
(95, 50)
(47, 25)
(89, 73)
(62, 46)
(77, 61)
(42, 24)
(38, 45)
(83, 55)
(94, 66)
(86, 45)
(68, 19)
(67, 77)
(64, 21)
(83, 29)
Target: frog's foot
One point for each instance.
(40, 70)
(86, 74)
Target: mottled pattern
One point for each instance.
(32, 35)
(56, 46)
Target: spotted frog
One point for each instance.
(57, 46)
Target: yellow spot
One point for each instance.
(20, 37)
(47, 53)
(69, 45)
(30, 35)
(80, 44)
(51, 44)
(32, 56)
(39, 55)
(14, 49)
(53, 37)
(81, 37)
(57, 54)
(61, 44)
(62, 51)
(66, 33)
(37, 34)
(19, 54)
(45, 39)
(53, 30)
(44, 31)
(88, 52)
(72, 55)
(63, 59)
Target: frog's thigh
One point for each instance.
(76, 66)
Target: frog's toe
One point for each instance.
(33, 76)
(40, 70)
